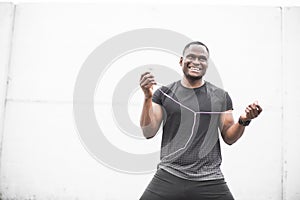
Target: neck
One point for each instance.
(192, 83)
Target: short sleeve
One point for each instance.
(229, 105)
(157, 97)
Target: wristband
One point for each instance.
(244, 123)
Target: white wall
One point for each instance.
(253, 48)
(6, 22)
(291, 116)
(6, 26)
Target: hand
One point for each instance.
(251, 112)
(146, 82)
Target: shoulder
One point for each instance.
(215, 89)
(164, 90)
(212, 86)
(220, 95)
(170, 87)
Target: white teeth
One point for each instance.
(195, 69)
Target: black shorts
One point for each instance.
(165, 186)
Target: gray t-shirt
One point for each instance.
(190, 146)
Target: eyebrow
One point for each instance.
(201, 56)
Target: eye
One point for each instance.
(190, 57)
(203, 59)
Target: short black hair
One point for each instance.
(196, 43)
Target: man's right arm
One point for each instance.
(152, 113)
(151, 118)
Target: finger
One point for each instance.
(144, 74)
(247, 111)
(147, 86)
(257, 106)
(148, 83)
(252, 106)
(153, 82)
(254, 113)
(259, 109)
(147, 78)
(250, 113)
(254, 109)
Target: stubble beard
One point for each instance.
(192, 78)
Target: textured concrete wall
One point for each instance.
(254, 49)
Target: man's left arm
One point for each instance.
(231, 131)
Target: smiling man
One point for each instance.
(193, 111)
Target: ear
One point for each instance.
(180, 61)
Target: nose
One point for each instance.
(196, 61)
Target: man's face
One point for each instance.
(194, 62)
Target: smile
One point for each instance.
(196, 69)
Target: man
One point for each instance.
(192, 110)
